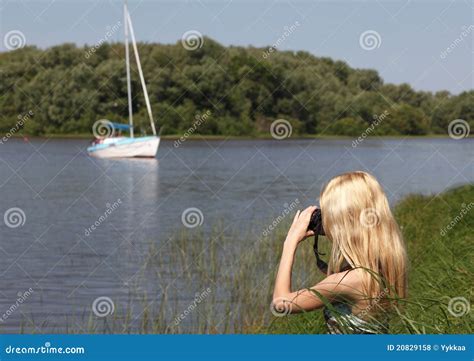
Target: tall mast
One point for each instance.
(140, 72)
(127, 59)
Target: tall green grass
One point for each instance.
(240, 270)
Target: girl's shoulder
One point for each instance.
(349, 282)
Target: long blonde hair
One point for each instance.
(357, 219)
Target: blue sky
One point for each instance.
(413, 34)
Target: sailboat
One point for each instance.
(119, 146)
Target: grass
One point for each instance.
(239, 271)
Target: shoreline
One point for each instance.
(241, 137)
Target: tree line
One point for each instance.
(66, 88)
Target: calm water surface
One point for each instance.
(63, 193)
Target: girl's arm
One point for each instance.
(333, 286)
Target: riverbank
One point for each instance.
(225, 281)
(235, 137)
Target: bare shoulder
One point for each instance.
(347, 283)
(351, 277)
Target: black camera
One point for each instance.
(316, 223)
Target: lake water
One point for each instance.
(84, 223)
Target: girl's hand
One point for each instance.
(299, 228)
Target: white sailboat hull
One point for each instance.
(126, 148)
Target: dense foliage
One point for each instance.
(68, 88)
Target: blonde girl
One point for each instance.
(357, 220)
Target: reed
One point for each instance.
(223, 283)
